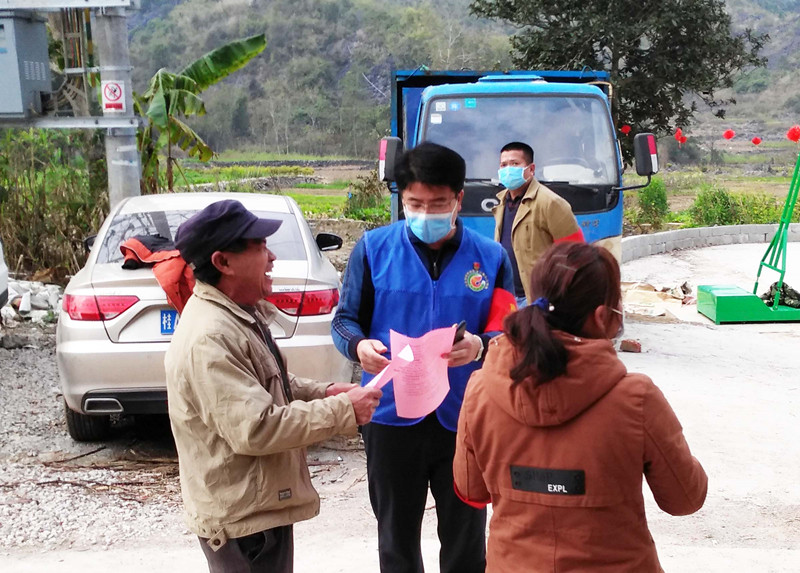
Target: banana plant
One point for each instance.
(172, 96)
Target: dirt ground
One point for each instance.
(735, 389)
(333, 174)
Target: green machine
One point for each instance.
(735, 304)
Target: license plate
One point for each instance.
(169, 320)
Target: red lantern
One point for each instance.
(678, 134)
(794, 133)
(756, 140)
(728, 134)
(625, 129)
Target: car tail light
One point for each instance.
(83, 307)
(319, 302)
(288, 302)
(306, 303)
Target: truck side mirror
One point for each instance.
(390, 148)
(646, 154)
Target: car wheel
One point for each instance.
(85, 428)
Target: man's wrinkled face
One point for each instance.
(251, 269)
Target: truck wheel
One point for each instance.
(85, 428)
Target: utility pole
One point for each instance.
(110, 34)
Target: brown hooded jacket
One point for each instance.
(562, 462)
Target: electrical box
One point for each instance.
(24, 65)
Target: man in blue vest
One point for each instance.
(425, 272)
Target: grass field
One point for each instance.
(763, 173)
(244, 155)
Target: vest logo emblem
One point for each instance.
(475, 279)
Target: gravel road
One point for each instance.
(58, 494)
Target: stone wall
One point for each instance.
(638, 246)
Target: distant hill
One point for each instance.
(321, 86)
(768, 101)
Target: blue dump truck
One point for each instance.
(564, 116)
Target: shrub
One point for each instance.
(367, 201)
(688, 153)
(755, 81)
(758, 208)
(50, 198)
(714, 206)
(792, 103)
(717, 206)
(652, 207)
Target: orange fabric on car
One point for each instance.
(170, 270)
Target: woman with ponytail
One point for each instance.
(556, 434)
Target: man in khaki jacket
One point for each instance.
(530, 217)
(241, 422)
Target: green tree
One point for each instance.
(172, 95)
(657, 52)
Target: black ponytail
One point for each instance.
(570, 280)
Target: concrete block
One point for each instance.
(766, 229)
(669, 236)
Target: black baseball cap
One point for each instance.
(216, 227)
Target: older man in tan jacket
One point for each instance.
(241, 422)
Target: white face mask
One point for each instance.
(621, 329)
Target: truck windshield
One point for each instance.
(570, 135)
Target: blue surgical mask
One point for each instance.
(511, 177)
(430, 227)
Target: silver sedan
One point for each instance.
(115, 324)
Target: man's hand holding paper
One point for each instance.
(419, 369)
(370, 355)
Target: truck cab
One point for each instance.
(564, 116)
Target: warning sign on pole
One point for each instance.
(113, 96)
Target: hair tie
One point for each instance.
(543, 304)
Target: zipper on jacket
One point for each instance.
(435, 272)
(272, 348)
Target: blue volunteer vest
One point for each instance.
(408, 301)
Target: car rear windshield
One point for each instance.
(286, 243)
